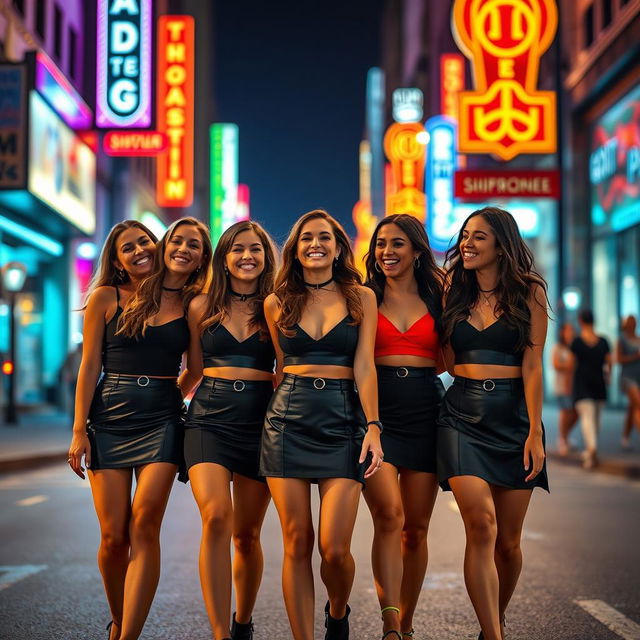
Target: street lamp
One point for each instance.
(14, 275)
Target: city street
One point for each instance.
(580, 544)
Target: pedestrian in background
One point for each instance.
(490, 436)
(590, 380)
(135, 333)
(628, 355)
(317, 428)
(230, 345)
(403, 274)
(563, 364)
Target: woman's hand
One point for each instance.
(371, 443)
(79, 447)
(533, 455)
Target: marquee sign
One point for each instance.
(124, 63)
(471, 185)
(504, 40)
(175, 97)
(407, 158)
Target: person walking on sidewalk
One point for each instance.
(590, 379)
(628, 355)
(563, 364)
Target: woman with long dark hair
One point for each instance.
(135, 333)
(490, 436)
(403, 274)
(317, 428)
(231, 347)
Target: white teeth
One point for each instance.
(390, 262)
(142, 260)
(247, 267)
(316, 255)
(180, 259)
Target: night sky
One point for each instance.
(292, 76)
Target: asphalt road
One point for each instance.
(580, 545)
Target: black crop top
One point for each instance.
(496, 344)
(220, 348)
(336, 347)
(157, 353)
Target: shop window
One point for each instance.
(41, 18)
(18, 5)
(607, 10)
(588, 35)
(73, 52)
(57, 31)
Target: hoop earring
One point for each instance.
(376, 266)
(416, 263)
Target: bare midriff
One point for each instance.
(320, 371)
(405, 361)
(236, 373)
(486, 371)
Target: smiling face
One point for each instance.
(317, 246)
(135, 252)
(478, 246)
(245, 260)
(184, 251)
(394, 252)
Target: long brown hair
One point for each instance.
(106, 275)
(145, 303)
(219, 296)
(289, 286)
(428, 275)
(516, 277)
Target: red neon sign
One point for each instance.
(134, 143)
(478, 185)
(176, 47)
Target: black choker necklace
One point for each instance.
(242, 296)
(171, 289)
(320, 285)
(487, 290)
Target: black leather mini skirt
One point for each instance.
(224, 424)
(409, 400)
(135, 421)
(482, 429)
(313, 429)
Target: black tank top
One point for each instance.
(496, 344)
(157, 353)
(336, 347)
(220, 348)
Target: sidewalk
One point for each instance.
(44, 437)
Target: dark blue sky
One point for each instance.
(292, 76)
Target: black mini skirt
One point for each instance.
(224, 424)
(313, 429)
(409, 400)
(134, 421)
(482, 429)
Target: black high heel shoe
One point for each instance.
(337, 629)
(240, 631)
(109, 629)
(502, 624)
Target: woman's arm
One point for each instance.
(90, 367)
(560, 364)
(533, 387)
(271, 314)
(625, 358)
(364, 372)
(193, 371)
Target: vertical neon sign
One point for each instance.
(123, 97)
(224, 177)
(176, 40)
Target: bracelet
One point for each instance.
(377, 423)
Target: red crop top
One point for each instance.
(420, 339)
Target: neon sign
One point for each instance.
(175, 97)
(471, 185)
(451, 83)
(224, 177)
(407, 105)
(407, 159)
(134, 143)
(504, 39)
(124, 63)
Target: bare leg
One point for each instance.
(385, 504)
(292, 499)
(154, 482)
(250, 502)
(419, 491)
(566, 420)
(474, 498)
(339, 498)
(111, 490)
(633, 413)
(511, 507)
(210, 486)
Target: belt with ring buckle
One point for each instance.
(319, 383)
(402, 372)
(239, 385)
(488, 385)
(141, 381)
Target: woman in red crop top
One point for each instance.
(135, 333)
(403, 274)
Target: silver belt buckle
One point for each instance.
(402, 372)
(239, 385)
(488, 385)
(143, 381)
(319, 383)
